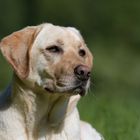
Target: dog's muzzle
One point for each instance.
(80, 84)
(82, 74)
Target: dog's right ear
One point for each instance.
(15, 48)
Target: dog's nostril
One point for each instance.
(82, 72)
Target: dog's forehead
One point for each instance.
(56, 34)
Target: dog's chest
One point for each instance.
(12, 125)
(65, 134)
(69, 130)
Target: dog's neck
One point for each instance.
(40, 108)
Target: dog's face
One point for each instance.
(56, 59)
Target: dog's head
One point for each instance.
(52, 58)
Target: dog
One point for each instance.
(52, 68)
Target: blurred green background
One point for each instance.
(112, 32)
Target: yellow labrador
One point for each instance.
(52, 68)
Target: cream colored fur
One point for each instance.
(33, 113)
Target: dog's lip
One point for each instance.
(79, 89)
(49, 90)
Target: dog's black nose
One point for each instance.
(82, 72)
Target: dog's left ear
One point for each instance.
(16, 47)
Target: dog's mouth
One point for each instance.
(80, 89)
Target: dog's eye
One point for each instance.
(54, 49)
(82, 52)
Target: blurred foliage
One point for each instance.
(110, 28)
(112, 32)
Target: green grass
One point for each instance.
(115, 117)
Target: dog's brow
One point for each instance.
(59, 41)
